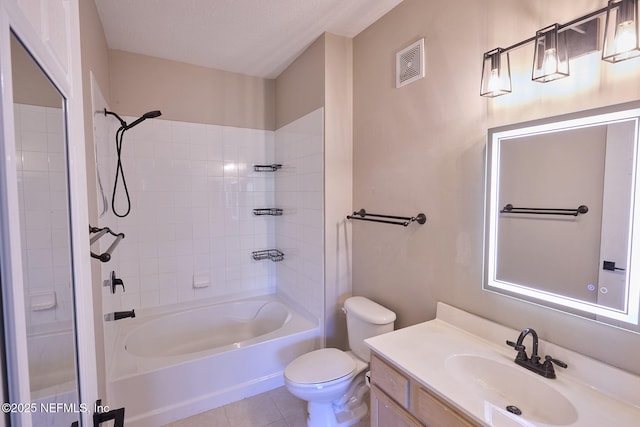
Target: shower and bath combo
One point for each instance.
(119, 171)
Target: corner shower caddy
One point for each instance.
(272, 254)
(105, 256)
(268, 211)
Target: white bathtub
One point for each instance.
(175, 363)
(52, 372)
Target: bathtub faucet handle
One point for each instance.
(115, 281)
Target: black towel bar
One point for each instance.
(106, 255)
(402, 220)
(509, 208)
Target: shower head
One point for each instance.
(149, 115)
(152, 114)
(125, 126)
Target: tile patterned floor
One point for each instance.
(275, 408)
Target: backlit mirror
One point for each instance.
(41, 155)
(560, 212)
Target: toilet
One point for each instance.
(333, 381)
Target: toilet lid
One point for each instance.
(320, 366)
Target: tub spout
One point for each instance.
(117, 315)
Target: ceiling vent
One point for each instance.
(410, 64)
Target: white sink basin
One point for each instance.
(463, 359)
(506, 385)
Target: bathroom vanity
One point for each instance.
(399, 400)
(457, 370)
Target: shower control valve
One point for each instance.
(114, 282)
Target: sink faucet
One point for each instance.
(533, 363)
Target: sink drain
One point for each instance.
(514, 410)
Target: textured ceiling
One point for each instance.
(253, 37)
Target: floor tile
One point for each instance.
(256, 411)
(275, 408)
(287, 403)
(213, 418)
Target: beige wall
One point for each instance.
(95, 59)
(421, 148)
(300, 87)
(189, 93)
(30, 85)
(338, 182)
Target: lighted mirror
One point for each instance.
(560, 212)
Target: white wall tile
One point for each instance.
(192, 210)
(299, 190)
(43, 206)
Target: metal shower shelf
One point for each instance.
(267, 168)
(272, 254)
(399, 220)
(105, 256)
(268, 211)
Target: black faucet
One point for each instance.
(533, 363)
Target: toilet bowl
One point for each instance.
(325, 379)
(332, 381)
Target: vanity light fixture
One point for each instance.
(557, 43)
(496, 73)
(550, 57)
(621, 31)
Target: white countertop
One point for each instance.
(601, 395)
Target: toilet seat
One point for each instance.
(320, 366)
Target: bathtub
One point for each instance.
(173, 362)
(52, 372)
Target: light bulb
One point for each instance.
(550, 62)
(625, 40)
(494, 81)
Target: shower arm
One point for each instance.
(122, 122)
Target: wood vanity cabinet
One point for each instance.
(398, 400)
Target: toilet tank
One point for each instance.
(365, 319)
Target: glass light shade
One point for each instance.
(621, 31)
(496, 73)
(550, 57)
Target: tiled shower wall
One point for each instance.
(300, 192)
(42, 192)
(193, 189)
(191, 229)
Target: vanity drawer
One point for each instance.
(432, 411)
(392, 382)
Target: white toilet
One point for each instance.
(332, 381)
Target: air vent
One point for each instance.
(410, 64)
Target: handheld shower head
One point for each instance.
(152, 114)
(119, 171)
(149, 115)
(125, 126)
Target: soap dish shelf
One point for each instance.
(272, 254)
